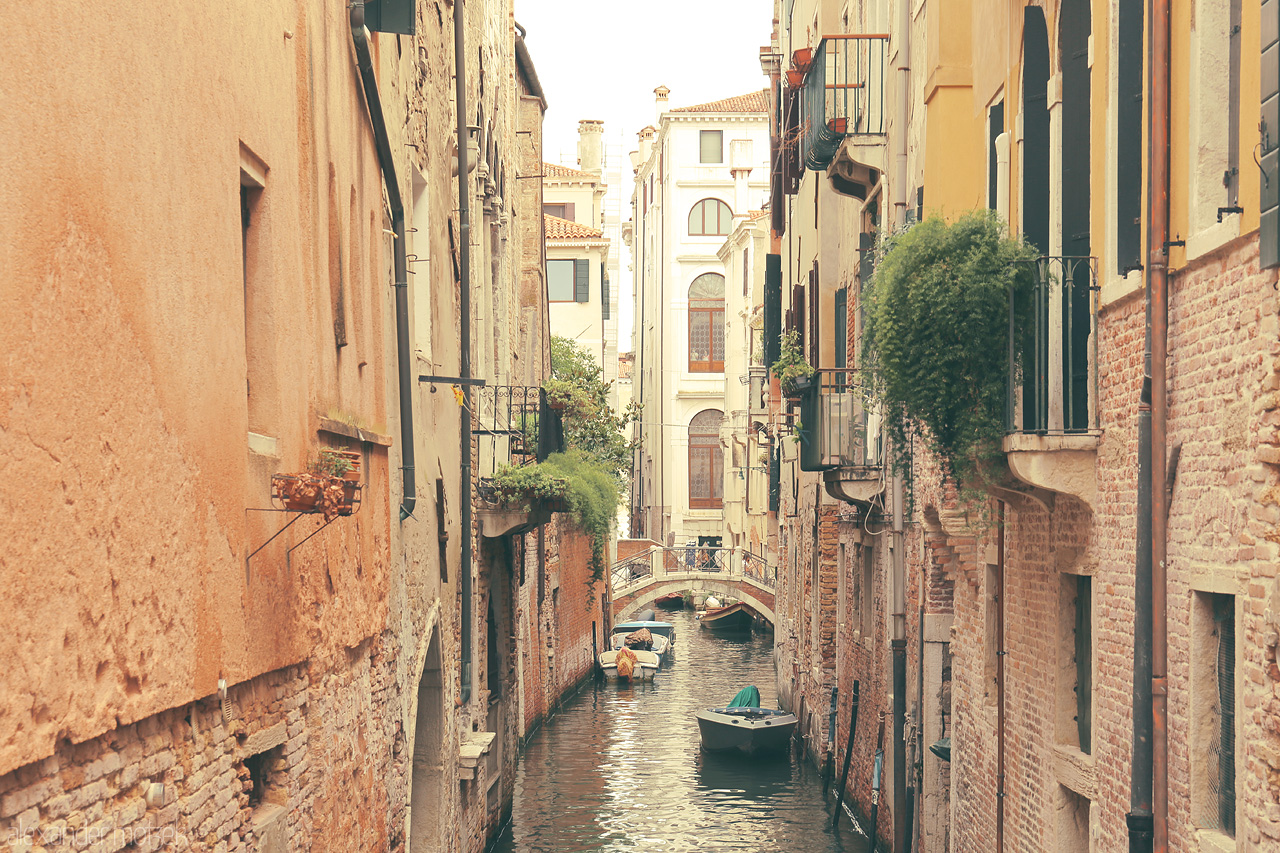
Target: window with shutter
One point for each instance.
(798, 315)
(582, 280)
(706, 461)
(706, 324)
(1129, 145)
(1269, 235)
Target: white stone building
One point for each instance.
(685, 203)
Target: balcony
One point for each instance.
(838, 436)
(1051, 405)
(843, 95)
(514, 426)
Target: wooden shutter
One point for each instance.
(841, 327)
(1129, 144)
(773, 304)
(814, 328)
(1269, 225)
(582, 280)
(798, 315)
(391, 16)
(604, 293)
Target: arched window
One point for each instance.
(706, 461)
(710, 218)
(706, 324)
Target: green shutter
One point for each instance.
(842, 327)
(582, 280)
(1269, 225)
(391, 16)
(604, 293)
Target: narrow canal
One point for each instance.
(620, 769)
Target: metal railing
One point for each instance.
(834, 424)
(1052, 350)
(514, 426)
(689, 563)
(843, 94)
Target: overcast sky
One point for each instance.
(602, 60)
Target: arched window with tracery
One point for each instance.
(710, 218)
(706, 461)
(706, 324)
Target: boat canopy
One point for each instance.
(748, 697)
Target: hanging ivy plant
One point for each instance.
(937, 336)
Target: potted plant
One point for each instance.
(521, 486)
(792, 370)
(330, 485)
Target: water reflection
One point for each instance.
(620, 769)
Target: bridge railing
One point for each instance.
(688, 563)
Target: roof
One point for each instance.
(555, 170)
(566, 229)
(752, 102)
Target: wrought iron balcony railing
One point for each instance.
(843, 94)
(1053, 350)
(514, 426)
(833, 429)
(685, 562)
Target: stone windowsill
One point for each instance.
(1075, 770)
(475, 745)
(1066, 464)
(335, 427)
(1213, 841)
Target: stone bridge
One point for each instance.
(643, 578)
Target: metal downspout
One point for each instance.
(1158, 290)
(898, 619)
(404, 368)
(1000, 656)
(464, 361)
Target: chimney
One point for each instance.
(646, 144)
(659, 103)
(590, 142)
(740, 169)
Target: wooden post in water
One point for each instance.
(848, 754)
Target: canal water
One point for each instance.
(619, 767)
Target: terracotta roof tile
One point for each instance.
(752, 102)
(565, 229)
(555, 170)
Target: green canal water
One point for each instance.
(619, 767)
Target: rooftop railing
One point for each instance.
(843, 94)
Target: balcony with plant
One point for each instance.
(941, 305)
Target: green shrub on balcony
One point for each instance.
(791, 368)
(937, 335)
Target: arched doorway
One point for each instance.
(426, 791)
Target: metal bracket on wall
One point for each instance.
(275, 535)
(450, 380)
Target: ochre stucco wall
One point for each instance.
(123, 414)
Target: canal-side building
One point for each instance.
(1018, 607)
(682, 210)
(193, 663)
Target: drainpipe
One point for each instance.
(898, 641)
(1000, 656)
(404, 367)
(1158, 293)
(1140, 819)
(464, 307)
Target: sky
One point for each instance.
(602, 60)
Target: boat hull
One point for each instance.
(735, 617)
(753, 731)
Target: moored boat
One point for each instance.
(735, 617)
(744, 726)
(643, 666)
